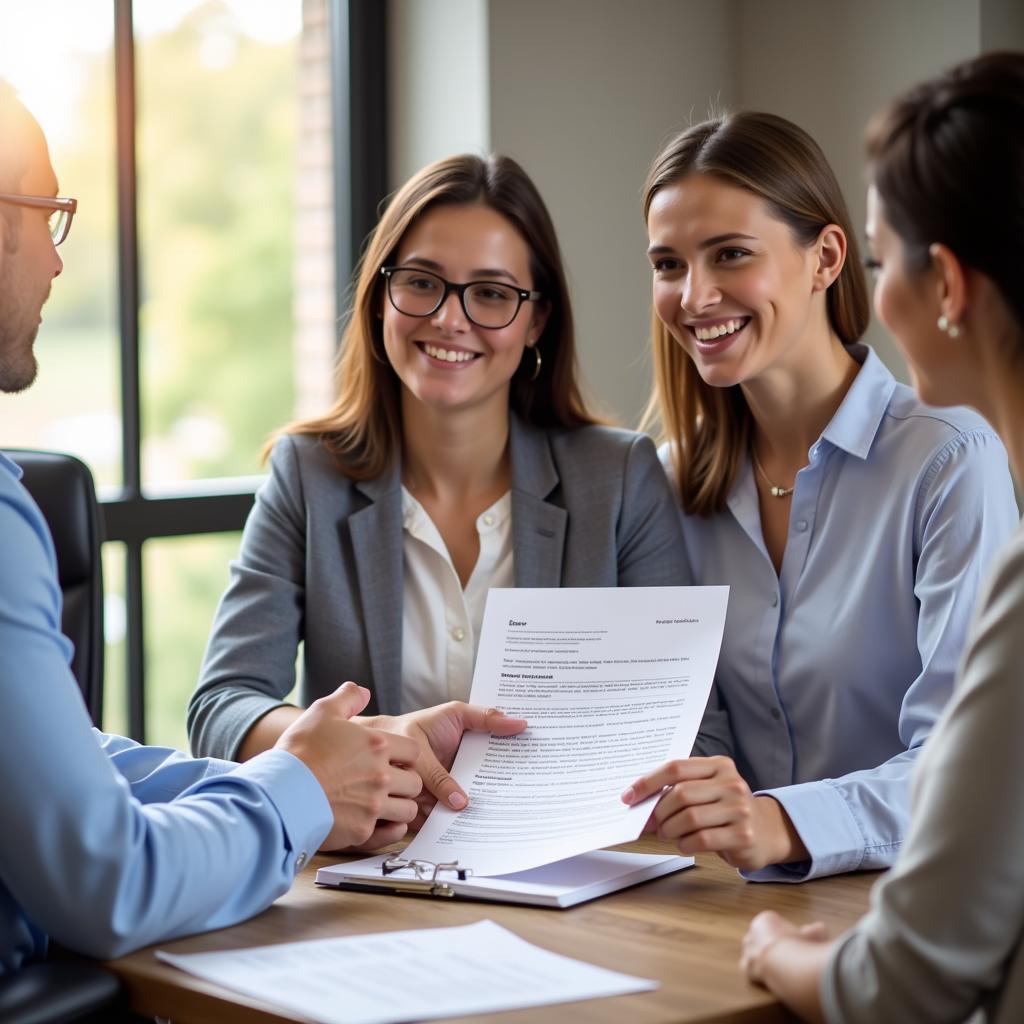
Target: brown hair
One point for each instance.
(709, 428)
(947, 160)
(363, 428)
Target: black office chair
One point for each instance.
(63, 489)
(55, 993)
(62, 486)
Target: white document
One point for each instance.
(411, 975)
(613, 683)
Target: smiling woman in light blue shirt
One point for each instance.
(851, 522)
(833, 673)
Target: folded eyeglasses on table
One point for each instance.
(426, 873)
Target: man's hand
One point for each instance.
(365, 773)
(708, 808)
(438, 733)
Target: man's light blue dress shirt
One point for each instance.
(106, 845)
(833, 672)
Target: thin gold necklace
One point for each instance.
(773, 489)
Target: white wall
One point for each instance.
(1002, 25)
(830, 66)
(583, 92)
(438, 82)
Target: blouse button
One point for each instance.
(488, 519)
(458, 633)
(801, 525)
(775, 600)
(776, 714)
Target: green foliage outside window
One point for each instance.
(216, 154)
(217, 127)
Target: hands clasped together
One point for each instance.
(383, 773)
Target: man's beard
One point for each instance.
(18, 364)
(17, 370)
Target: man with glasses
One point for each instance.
(33, 225)
(104, 844)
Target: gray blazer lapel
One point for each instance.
(376, 533)
(538, 527)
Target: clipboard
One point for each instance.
(558, 885)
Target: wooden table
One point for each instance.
(684, 930)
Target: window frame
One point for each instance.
(130, 516)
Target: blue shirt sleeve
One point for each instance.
(108, 846)
(965, 512)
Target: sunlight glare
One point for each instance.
(45, 56)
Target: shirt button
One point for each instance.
(776, 714)
(458, 633)
(775, 600)
(801, 525)
(488, 519)
(300, 861)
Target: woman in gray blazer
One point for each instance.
(943, 939)
(459, 455)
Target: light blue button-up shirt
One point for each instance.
(834, 671)
(106, 845)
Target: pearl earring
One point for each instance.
(953, 330)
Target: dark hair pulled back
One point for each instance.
(947, 159)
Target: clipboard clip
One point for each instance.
(426, 875)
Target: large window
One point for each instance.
(60, 58)
(208, 144)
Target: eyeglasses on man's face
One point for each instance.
(491, 304)
(61, 211)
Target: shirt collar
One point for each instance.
(533, 467)
(414, 515)
(12, 467)
(855, 424)
(412, 510)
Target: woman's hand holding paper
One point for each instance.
(707, 807)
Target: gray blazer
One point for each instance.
(321, 564)
(945, 933)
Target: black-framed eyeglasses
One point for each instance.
(491, 304)
(61, 211)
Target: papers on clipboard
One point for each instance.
(613, 682)
(559, 885)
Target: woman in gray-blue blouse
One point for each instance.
(459, 456)
(943, 939)
(852, 522)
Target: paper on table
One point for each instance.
(411, 975)
(613, 683)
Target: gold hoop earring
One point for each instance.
(537, 363)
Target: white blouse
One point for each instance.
(441, 621)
